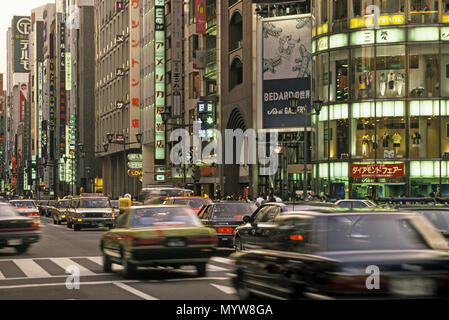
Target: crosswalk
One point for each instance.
(39, 268)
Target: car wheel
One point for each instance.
(201, 269)
(242, 291)
(76, 228)
(59, 222)
(129, 269)
(69, 225)
(22, 249)
(54, 221)
(238, 246)
(107, 264)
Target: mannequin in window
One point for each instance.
(416, 139)
(383, 84)
(396, 142)
(385, 138)
(365, 143)
(391, 80)
(374, 141)
(400, 83)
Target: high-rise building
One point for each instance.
(117, 92)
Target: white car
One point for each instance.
(88, 212)
(25, 208)
(354, 203)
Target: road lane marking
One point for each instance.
(31, 268)
(66, 262)
(134, 291)
(225, 289)
(222, 260)
(2, 277)
(99, 260)
(36, 285)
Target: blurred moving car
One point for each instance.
(195, 203)
(225, 217)
(146, 194)
(438, 215)
(59, 211)
(355, 204)
(17, 231)
(257, 226)
(45, 207)
(316, 255)
(90, 211)
(158, 236)
(26, 208)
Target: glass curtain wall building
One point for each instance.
(381, 68)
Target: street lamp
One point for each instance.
(317, 105)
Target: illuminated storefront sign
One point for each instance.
(159, 82)
(368, 21)
(362, 37)
(424, 34)
(21, 29)
(52, 107)
(134, 68)
(323, 43)
(377, 170)
(68, 71)
(62, 92)
(40, 107)
(390, 35)
(338, 40)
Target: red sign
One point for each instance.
(200, 15)
(377, 170)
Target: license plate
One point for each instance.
(176, 243)
(412, 286)
(14, 242)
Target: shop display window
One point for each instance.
(390, 71)
(362, 73)
(424, 70)
(362, 16)
(339, 87)
(423, 11)
(444, 75)
(322, 77)
(424, 133)
(339, 15)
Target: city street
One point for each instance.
(40, 273)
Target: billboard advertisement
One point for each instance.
(21, 30)
(200, 16)
(286, 70)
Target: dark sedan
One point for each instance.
(17, 231)
(353, 255)
(436, 214)
(257, 226)
(224, 217)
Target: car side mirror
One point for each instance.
(246, 219)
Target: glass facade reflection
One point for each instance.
(382, 70)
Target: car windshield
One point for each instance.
(23, 204)
(233, 211)
(173, 193)
(52, 203)
(192, 202)
(440, 219)
(94, 203)
(372, 232)
(7, 211)
(64, 204)
(164, 216)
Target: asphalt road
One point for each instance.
(41, 273)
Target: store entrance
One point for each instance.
(377, 190)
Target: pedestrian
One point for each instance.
(259, 200)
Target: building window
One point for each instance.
(235, 32)
(423, 11)
(339, 70)
(340, 15)
(194, 84)
(362, 73)
(424, 64)
(390, 71)
(322, 77)
(193, 47)
(235, 73)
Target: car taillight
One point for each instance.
(203, 239)
(148, 242)
(346, 283)
(35, 226)
(33, 214)
(224, 230)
